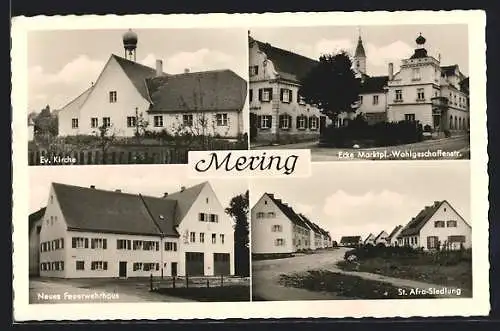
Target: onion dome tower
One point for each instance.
(130, 44)
(360, 57)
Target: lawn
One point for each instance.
(210, 294)
(447, 268)
(346, 285)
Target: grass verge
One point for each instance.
(210, 294)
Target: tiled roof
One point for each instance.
(369, 237)
(36, 216)
(350, 239)
(137, 73)
(288, 211)
(394, 232)
(77, 102)
(290, 66)
(162, 211)
(310, 224)
(449, 70)
(413, 227)
(381, 233)
(216, 90)
(374, 84)
(185, 199)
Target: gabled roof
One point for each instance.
(137, 73)
(374, 84)
(413, 227)
(290, 66)
(346, 239)
(36, 216)
(89, 209)
(185, 199)
(311, 225)
(216, 90)
(370, 237)
(394, 232)
(288, 211)
(77, 102)
(380, 234)
(162, 211)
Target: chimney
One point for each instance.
(183, 188)
(391, 71)
(186, 71)
(436, 203)
(159, 68)
(118, 190)
(92, 186)
(165, 194)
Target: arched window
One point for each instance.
(460, 123)
(451, 123)
(456, 123)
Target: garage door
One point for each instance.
(195, 265)
(221, 264)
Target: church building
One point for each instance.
(130, 98)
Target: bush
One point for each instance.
(370, 251)
(447, 133)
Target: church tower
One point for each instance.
(130, 44)
(360, 57)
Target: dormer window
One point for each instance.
(112, 96)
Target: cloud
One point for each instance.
(382, 55)
(323, 46)
(303, 208)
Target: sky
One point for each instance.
(63, 63)
(356, 198)
(383, 44)
(151, 180)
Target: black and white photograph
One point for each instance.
(134, 96)
(361, 92)
(121, 234)
(398, 232)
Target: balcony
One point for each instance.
(440, 102)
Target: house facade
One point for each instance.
(392, 239)
(437, 227)
(319, 238)
(381, 238)
(369, 240)
(351, 241)
(277, 111)
(129, 98)
(421, 90)
(35, 226)
(87, 233)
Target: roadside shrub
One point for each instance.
(447, 133)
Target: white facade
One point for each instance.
(382, 238)
(393, 241)
(84, 254)
(444, 225)
(370, 240)
(272, 231)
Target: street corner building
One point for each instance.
(277, 111)
(128, 96)
(436, 227)
(278, 229)
(422, 90)
(86, 232)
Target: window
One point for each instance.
(432, 242)
(158, 121)
(214, 218)
(265, 121)
(416, 74)
(80, 265)
(214, 238)
(221, 119)
(137, 266)
(286, 95)
(192, 237)
(313, 123)
(271, 214)
(301, 99)
(277, 228)
(260, 215)
(74, 123)
(202, 237)
(206, 200)
(137, 245)
(265, 94)
(420, 94)
(221, 236)
(254, 70)
(439, 224)
(123, 244)
(203, 217)
(112, 96)
(360, 99)
(99, 265)
(285, 121)
(375, 99)
(106, 122)
(399, 95)
(451, 224)
(131, 121)
(187, 120)
(98, 243)
(250, 95)
(279, 242)
(301, 122)
(94, 122)
(51, 199)
(170, 246)
(78, 242)
(410, 117)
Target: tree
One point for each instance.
(331, 85)
(106, 137)
(238, 210)
(141, 124)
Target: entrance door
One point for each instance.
(122, 270)
(221, 264)
(173, 267)
(195, 264)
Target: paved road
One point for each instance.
(265, 276)
(94, 290)
(458, 144)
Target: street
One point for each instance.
(52, 290)
(454, 144)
